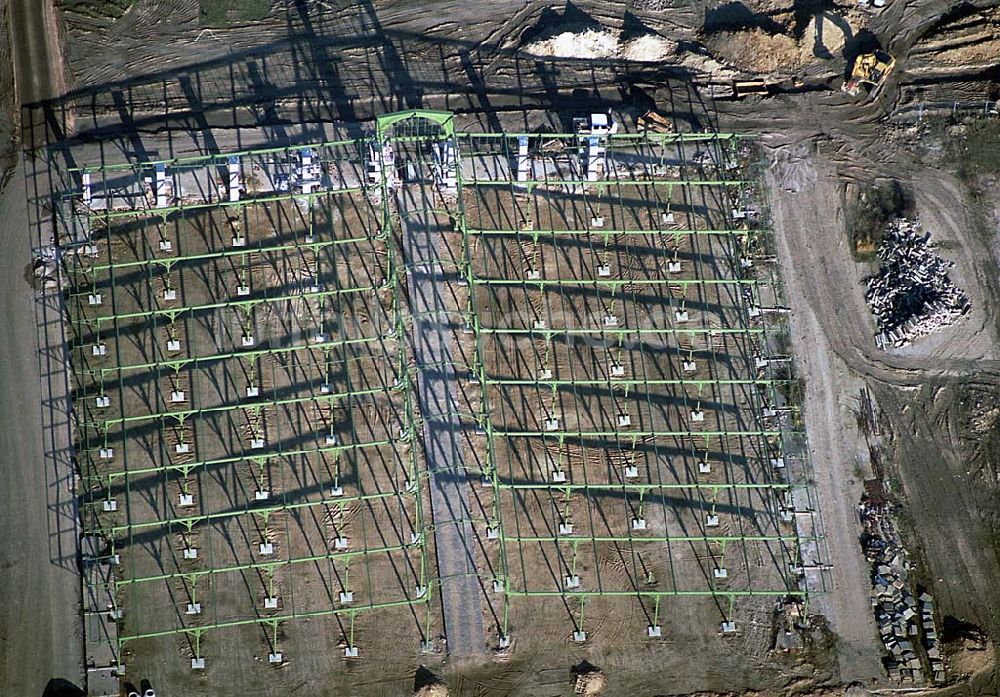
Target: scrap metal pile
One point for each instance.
(902, 619)
(911, 295)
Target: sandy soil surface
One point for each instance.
(920, 390)
(9, 118)
(40, 623)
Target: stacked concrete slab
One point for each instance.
(902, 618)
(930, 637)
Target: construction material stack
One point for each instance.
(912, 295)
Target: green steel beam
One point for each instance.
(269, 565)
(184, 309)
(80, 268)
(619, 332)
(615, 382)
(646, 135)
(661, 139)
(154, 212)
(183, 414)
(567, 486)
(209, 160)
(600, 232)
(270, 619)
(187, 467)
(189, 522)
(614, 282)
(609, 182)
(182, 363)
(721, 539)
(444, 119)
(628, 435)
(660, 594)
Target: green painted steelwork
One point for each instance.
(444, 119)
(476, 315)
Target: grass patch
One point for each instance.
(97, 9)
(980, 152)
(219, 14)
(875, 206)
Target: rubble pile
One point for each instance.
(901, 619)
(789, 623)
(911, 295)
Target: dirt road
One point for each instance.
(37, 58)
(40, 628)
(833, 451)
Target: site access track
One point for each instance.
(432, 306)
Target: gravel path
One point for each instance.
(436, 395)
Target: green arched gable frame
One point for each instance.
(445, 119)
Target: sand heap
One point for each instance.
(590, 684)
(757, 51)
(436, 689)
(603, 43)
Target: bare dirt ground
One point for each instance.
(810, 233)
(40, 628)
(927, 392)
(38, 62)
(155, 70)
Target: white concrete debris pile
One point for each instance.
(911, 295)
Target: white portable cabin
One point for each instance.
(308, 171)
(389, 164)
(160, 184)
(88, 192)
(374, 164)
(523, 164)
(234, 178)
(599, 124)
(594, 156)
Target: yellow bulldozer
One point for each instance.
(871, 70)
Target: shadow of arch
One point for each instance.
(822, 19)
(425, 678)
(59, 687)
(735, 16)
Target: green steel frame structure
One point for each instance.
(119, 323)
(748, 479)
(301, 356)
